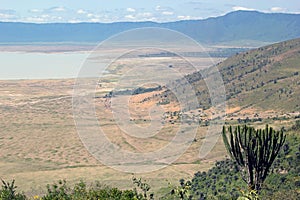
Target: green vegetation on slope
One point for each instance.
(266, 78)
(224, 181)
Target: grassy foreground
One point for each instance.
(222, 181)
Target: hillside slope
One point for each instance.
(265, 79)
(259, 84)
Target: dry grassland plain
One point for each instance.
(39, 143)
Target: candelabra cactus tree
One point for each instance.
(254, 151)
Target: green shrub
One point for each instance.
(8, 192)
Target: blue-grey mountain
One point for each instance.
(235, 26)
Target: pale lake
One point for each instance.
(36, 65)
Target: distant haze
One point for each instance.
(236, 26)
(240, 28)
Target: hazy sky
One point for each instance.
(42, 11)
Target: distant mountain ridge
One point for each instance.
(234, 26)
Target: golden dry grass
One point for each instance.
(39, 143)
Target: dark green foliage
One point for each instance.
(223, 181)
(182, 192)
(60, 191)
(220, 182)
(8, 192)
(285, 178)
(57, 191)
(254, 151)
(296, 126)
(139, 90)
(144, 187)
